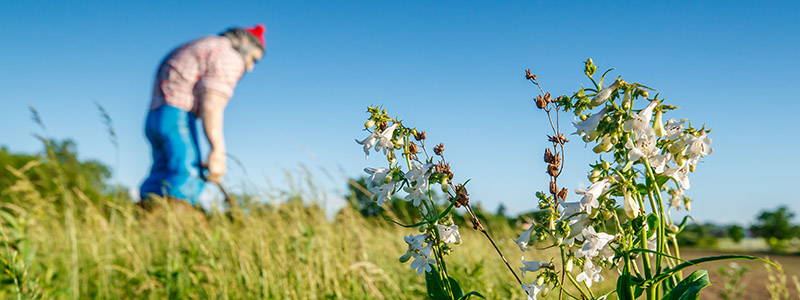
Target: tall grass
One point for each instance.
(67, 245)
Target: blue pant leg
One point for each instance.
(176, 170)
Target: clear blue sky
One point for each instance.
(453, 68)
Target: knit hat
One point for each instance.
(258, 32)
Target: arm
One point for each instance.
(212, 114)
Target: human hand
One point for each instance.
(216, 165)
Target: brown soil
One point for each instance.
(756, 279)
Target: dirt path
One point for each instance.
(756, 279)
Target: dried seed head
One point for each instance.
(547, 98)
(560, 139)
(463, 196)
(444, 168)
(438, 149)
(548, 156)
(552, 169)
(553, 188)
(528, 75)
(412, 148)
(383, 125)
(540, 102)
(563, 195)
(420, 135)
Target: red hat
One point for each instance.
(258, 32)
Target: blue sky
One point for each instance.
(452, 68)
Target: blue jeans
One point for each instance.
(177, 171)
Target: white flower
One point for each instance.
(368, 142)
(376, 175)
(593, 242)
(523, 239)
(588, 127)
(532, 289)
(532, 266)
(449, 234)
(422, 260)
(417, 173)
(570, 209)
(644, 146)
(640, 120)
(674, 129)
(416, 195)
(659, 162)
(603, 95)
(416, 242)
(590, 196)
(607, 253)
(590, 274)
(385, 139)
(383, 192)
(680, 174)
(677, 198)
(631, 206)
(699, 146)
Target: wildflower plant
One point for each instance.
(419, 173)
(621, 222)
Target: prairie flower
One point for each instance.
(675, 129)
(417, 173)
(383, 192)
(368, 142)
(645, 145)
(532, 266)
(532, 289)
(422, 260)
(524, 238)
(385, 139)
(640, 120)
(593, 242)
(677, 198)
(416, 195)
(376, 175)
(590, 274)
(588, 127)
(591, 196)
(449, 234)
(680, 174)
(698, 146)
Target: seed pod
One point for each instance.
(438, 149)
(548, 156)
(563, 194)
(552, 169)
(412, 148)
(553, 188)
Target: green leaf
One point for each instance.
(661, 180)
(473, 293)
(689, 288)
(406, 226)
(652, 223)
(457, 293)
(624, 286)
(452, 203)
(435, 286)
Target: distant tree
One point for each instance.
(775, 227)
(736, 233)
(501, 210)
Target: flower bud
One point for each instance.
(388, 178)
(589, 68)
(559, 241)
(626, 100)
(604, 146)
(607, 214)
(540, 280)
(594, 176)
(691, 168)
(687, 203)
(405, 257)
(583, 117)
(391, 157)
(594, 213)
(658, 125)
(568, 267)
(444, 185)
(544, 291)
(606, 165)
(369, 123)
